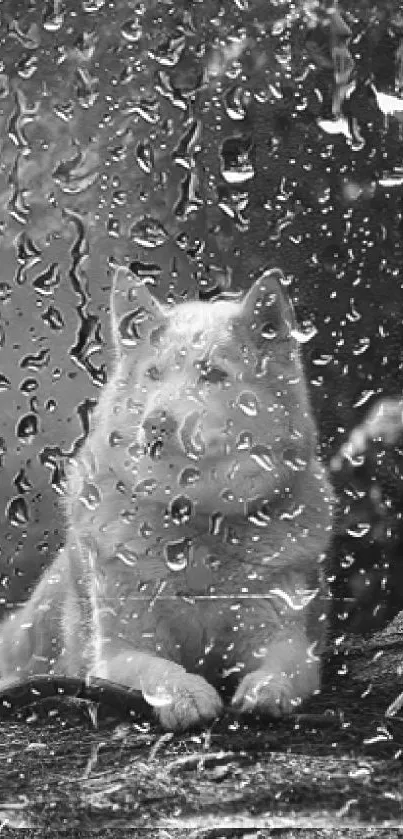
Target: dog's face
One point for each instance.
(217, 385)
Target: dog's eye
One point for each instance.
(213, 375)
(154, 373)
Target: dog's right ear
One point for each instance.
(135, 312)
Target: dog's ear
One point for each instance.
(135, 312)
(267, 309)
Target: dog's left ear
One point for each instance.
(135, 312)
(268, 310)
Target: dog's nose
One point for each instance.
(159, 424)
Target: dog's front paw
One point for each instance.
(270, 693)
(184, 700)
(276, 692)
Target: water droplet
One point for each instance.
(361, 529)
(27, 428)
(22, 483)
(53, 318)
(5, 292)
(126, 555)
(76, 174)
(116, 438)
(146, 487)
(190, 436)
(91, 6)
(146, 529)
(148, 232)
(4, 86)
(236, 165)
(5, 383)
(145, 156)
(53, 15)
(305, 334)
(131, 30)
(216, 522)
(36, 362)
(17, 511)
(248, 403)
(27, 66)
(181, 509)
(261, 455)
(177, 555)
(236, 101)
(90, 495)
(46, 282)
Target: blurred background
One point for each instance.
(197, 143)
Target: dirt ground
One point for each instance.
(74, 767)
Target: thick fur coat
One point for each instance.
(198, 517)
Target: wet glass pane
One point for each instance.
(201, 413)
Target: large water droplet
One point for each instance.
(261, 455)
(148, 232)
(177, 555)
(17, 511)
(27, 428)
(46, 282)
(236, 165)
(181, 509)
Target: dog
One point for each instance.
(198, 517)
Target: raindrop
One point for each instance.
(27, 428)
(261, 455)
(91, 6)
(305, 334)
(22, 483)
(17, 511)
(189, 476)
(145, 156)
(5, 383)
(131, 30)
(128, 326)
(53, 15)
(190, 437)
(29, 386)
(177, 555)
(53, 318)
(146, 487)
(5, 292)
(116, 438)
(90, 495)
(236, 165)
(145, 529)
(362, 529)
(46, 282)
(216, 522)
(126, 555)
(181, 509)
(36, 362)
(248, 403)
(27, 66)
(148, 232)
(4, 86)
(87, 88)
(76, 174)
(236, 101)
